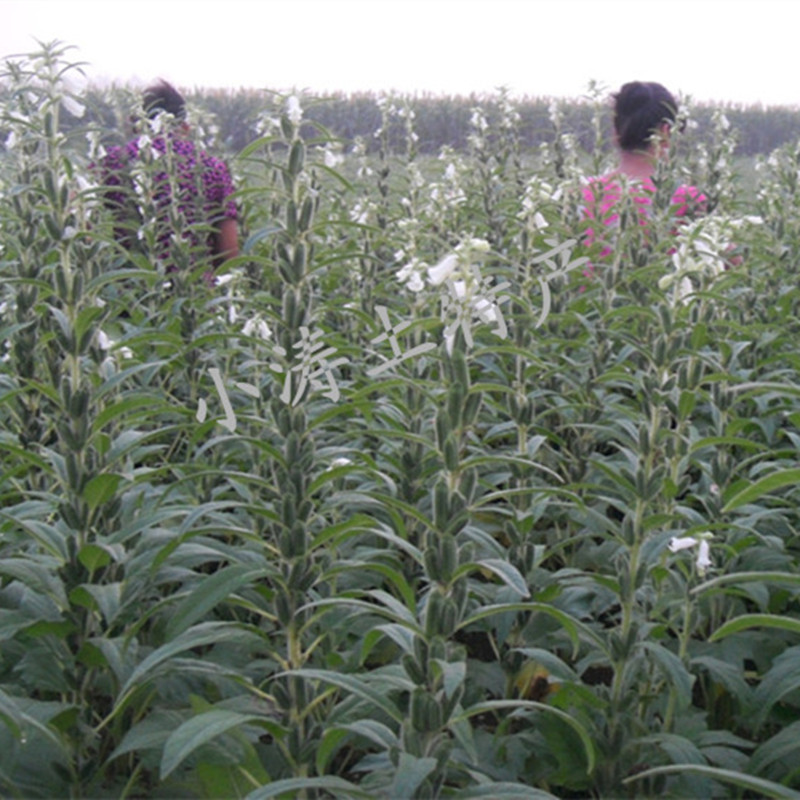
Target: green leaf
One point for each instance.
(781, 678)
(747, 621)
(101, 489)
(762, 787)
(784, 745)
(354, 684)
(674, 670)
(292, 788)
(508, 573)
(206, 633)
(531, 705)
(753, 491)
(788, 578)
(573, 628)
(201, 729)
(210, 591)
(411, 772)
(515, 791)
(93, 557)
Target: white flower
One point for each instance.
(332, 159)
(539, 221)
(103, 342)
(415, 283)
(678, 543)
(703, 557)
(443, 270)
(340, 462)
(685, 288)
(485, 309)
(11, 140)
(73, 106)
(699, 540)
(293, 109)
(223, 279)
(256, 325)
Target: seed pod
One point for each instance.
(289, 308)
(451, 458)
(306, 214)
(469, 482)
(299, 539)
(460, 371)
(441, 505)
(79, 403)
(644, 440)
(69, 516)
(61, 283)
(448, 618)
(471, 408)
(666, 318)
(455, 404)
(291, 218)
(413, 670)
(292, 448)
(286, 544)
(283, 609)
(297, 157)
(299, 262)
(442, 426)
(288, 509)
(66, 394)
(448, 557)
(433, 612)
(418, 709)
(660, 351)
(432, 563)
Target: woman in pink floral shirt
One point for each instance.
(643, 115)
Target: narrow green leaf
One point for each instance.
(206, 633)
(411, 772)
(762, 787)
(210, 591)
(201, 729)
(491, 790)
(507, 573)
(523, 705)
(753, 491)
(353, 684)
(292, 788)
(747, 621)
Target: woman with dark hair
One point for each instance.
(202, 188)
(644, 115)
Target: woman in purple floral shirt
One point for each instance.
(198, 192)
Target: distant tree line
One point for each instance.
(445, 120)
(438, 120)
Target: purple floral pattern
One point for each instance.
(203, 183)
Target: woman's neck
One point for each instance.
(636, 164)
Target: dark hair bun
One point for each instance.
(640, 109)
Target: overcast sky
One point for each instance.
(732, 50)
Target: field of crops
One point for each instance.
(416, 502)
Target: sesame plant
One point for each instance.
(423, 498)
